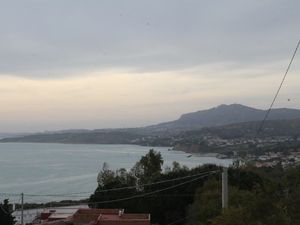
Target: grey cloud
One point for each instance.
(43, 38)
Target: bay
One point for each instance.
(61, 169)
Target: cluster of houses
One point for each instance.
(270, 159)
(284, 159)
(209, 143)
(258, 142)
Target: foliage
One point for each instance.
(149, 167)
(233, 216)
(292, 193)
(257, 196)
(207, 203)
(166, 206)
(5, 214)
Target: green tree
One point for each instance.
(292, 193)
(165, 206)
(105, 176)
(207, 204)
(233, 216)
(149, 166)
(6, 217)
(257, 206)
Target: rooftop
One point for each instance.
(85, 216)
(110, 217)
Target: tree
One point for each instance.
(105, 176)
(292, 187)
(5, 214)
(256, 206)
(207, 204)
(165, 206)
(233, 216)
(149, 166)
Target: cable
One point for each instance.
(204, 174)
(278, 90)
(132, 197)
(58, 195)
(65, 205)
(149, 193)
(141, 195)
(9, 194)
(116, 189)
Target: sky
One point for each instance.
(67, 64)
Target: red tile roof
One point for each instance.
(110, 217)
(99, 217)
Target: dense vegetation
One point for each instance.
(5, 213)
(257, 196)
(91, 137)
(272, 128)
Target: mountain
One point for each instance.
(222, 115)
(272, 128)
(160, 134)
(91, 137)
(278, 135)
(12, 135)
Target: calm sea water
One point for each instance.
(35, 168)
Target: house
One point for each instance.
(31, 215)
(87, 216)
(109, 217)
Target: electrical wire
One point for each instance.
(198, 176)
(278, 90)
(111, 189)
(146, 194)
(9, 194)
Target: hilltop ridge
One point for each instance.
(222, 115)
(160, 134)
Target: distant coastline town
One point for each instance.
(227, 131)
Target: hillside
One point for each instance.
(222, 115)
(91, 137)
(272, 128)
(277, 134)
(224, 121)
(12, 135)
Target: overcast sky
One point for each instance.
(95, 64)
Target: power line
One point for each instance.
(107, 190)
(202, 175)
(149, 193)
(57, 195)
(65, 205)
(9, 194)
(153, 192)
(278, 90)
(154, 183)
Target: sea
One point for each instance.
(53, 172)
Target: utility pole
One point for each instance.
(22, 208)
(225, 188)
